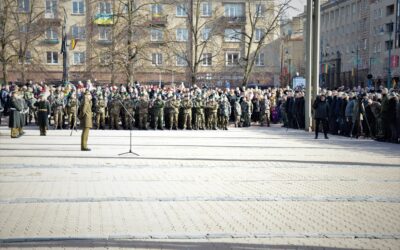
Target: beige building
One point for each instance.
(385, 37)
(147, 41)
(292, 50)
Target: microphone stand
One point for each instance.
(130, 132)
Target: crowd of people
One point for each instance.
(358, 112)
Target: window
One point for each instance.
(260, 59)
(51, 8)
(181, 10)
(232, 58)
(206, 9)
(51, 34)
(78, 32)
(207, 59)
(156, 35)
(259, 34)
(389, 27)
(181, 60)
(379, 47)
(365, 41)
(105, 8)
(105, 33)
(23, 5)
(156, 10)
(233, 10)
(205, 34)
(156, 59)
(259, 10)
(389, 44)
(233, 35)
(23, 28)
(79, 58)
(390, 10)
(52, 57)
(78, 7)
(181, 35)
(27, 57)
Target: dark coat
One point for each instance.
(16, 107)
(43, 120)
(321, 109)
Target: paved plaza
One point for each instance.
(245, 188)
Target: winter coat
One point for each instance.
(321, 109)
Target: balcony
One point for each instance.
(234, 20)
(51, 41)
(51, 18)
(158, 20)
(104, 42)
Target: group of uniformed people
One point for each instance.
(130, 107)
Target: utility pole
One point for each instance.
(64, 50)
(389, 80)
(312, 57)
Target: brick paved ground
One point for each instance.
(255, 188)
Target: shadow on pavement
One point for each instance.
(151, 244)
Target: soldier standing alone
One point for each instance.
(85, 117)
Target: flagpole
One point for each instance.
(64, 50)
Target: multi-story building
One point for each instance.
(344, 43)
(292, 49)
(148, 41)
(385, 40)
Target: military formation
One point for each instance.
(351, 112)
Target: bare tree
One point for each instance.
(198, 41)
(27, 16)
(263, 21)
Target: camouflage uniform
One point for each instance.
(72, 111)
(158, 112)
(237, 112)
(198, 105)
(212, 105)
(115, 109)
(100, 112)
(247, 109)
(129, 112)
(225, 111)
(58, 110)
(173, 113)
(143, 107)
(265, 113)
(187, 112)
(30, 101)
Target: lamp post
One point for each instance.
(389, 80)
(356, 73)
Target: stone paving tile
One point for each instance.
(164, 218)
(194, 196)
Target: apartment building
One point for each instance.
(385, 40)
(158, 42)
(345, 43)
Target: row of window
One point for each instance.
(231, 59)
(78, 58)
(105, 7)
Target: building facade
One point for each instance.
(385, 41)
(344, 43)
(159, 42)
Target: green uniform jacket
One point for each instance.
(43, 115)
(86, 114)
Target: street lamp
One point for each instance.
(390, 45)
(356, 73)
